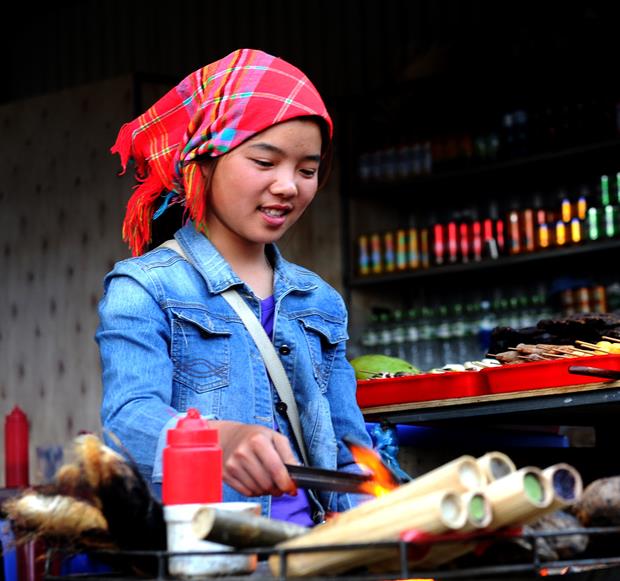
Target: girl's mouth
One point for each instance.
(274, 216)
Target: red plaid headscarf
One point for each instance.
(209, 113)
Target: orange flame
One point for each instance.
(368, 460)
(545, 572)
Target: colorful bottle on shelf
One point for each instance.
(376, 260)
(453, 246)
(605, 198)
(476, 240)
(609, 220)
(389, 252)
(529, 236)
(413, 254)
(560, 233)
(593, 224)
(464, 238)
(363, 255)
(582, 207)
(439, 245)
(401, 250)
(514, 232)
(425, 256)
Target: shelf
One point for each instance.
(583, 405)
(511, 166)
(521, 260)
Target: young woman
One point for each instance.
(243, 145)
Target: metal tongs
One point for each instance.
(322, 479)
(594, 372)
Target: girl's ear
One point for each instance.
(207, 169)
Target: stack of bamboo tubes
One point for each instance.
(464, 495)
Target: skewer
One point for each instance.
(613, 339)
(592, 346)
(581, 351)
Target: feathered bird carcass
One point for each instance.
(100, 501)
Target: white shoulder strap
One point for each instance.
(272, 362)
(265, 346)
(174, 245)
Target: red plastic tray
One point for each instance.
(423, 387)
(543, 374)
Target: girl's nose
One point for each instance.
(284, 184)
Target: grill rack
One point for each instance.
(590, 568)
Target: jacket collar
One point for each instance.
(218, 274)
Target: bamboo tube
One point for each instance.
(458, 475)
(241, 529)
(433, 513)
(479, 516)
(519, 497)
(496, 465)
(566, 485)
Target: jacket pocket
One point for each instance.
(200, 351)
(323, 336)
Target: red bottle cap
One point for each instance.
(192, 430)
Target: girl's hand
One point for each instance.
(254, 458)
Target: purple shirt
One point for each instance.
(294, 509)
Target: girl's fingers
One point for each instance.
(255, 458)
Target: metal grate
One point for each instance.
(591, 568)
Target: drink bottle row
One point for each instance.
(589, 215)
(432, 336)
(512, 134)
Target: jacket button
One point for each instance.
(281, 407)
(284, 349)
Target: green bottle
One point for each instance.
(605, 200)
(610, 221)
(592, 224)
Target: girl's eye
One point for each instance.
(262, 163)
(309, 173)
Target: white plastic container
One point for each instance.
(181, 539)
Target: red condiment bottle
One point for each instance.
(192, 462)
(16, 445)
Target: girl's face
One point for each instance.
(262, 187)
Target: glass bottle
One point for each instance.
(487, 322)
(412, 336)
(398, 335)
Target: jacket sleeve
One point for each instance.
(347, 419)
(134, 338)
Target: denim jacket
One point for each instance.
(168, 341)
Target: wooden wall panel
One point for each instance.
(61, 205)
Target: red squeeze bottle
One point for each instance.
(192, 462)
(16, 449)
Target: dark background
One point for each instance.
(347, 47)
